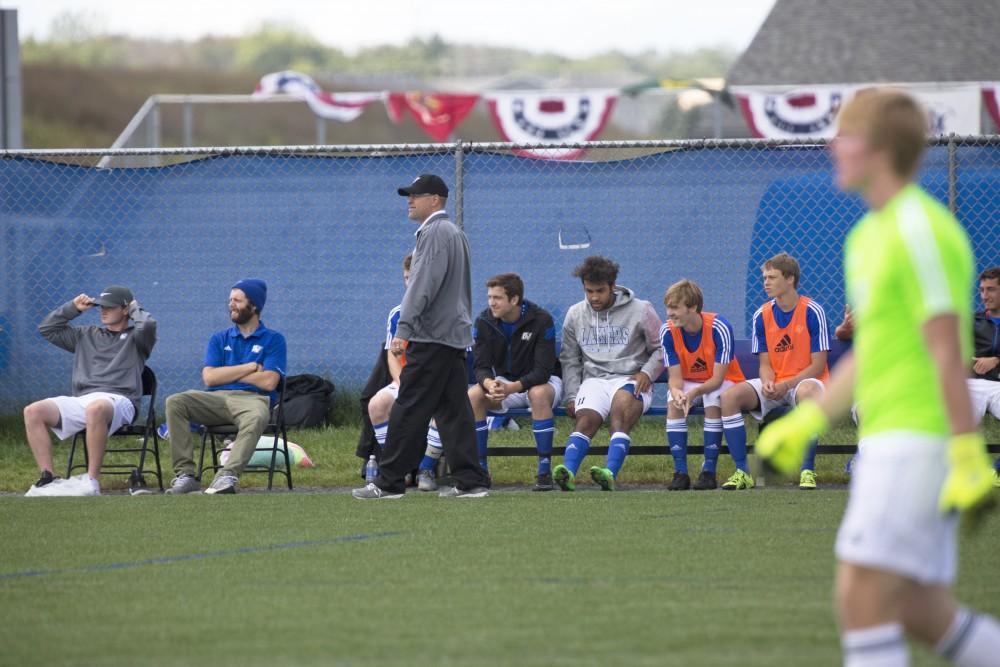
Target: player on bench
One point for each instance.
(516, 367)
(791, 338)
(698, 353)
(610, 357)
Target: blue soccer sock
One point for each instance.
(576, 449)
(713, 440)
(381, 432)
(996, 464)
(677, 438)
(617, 451)
(544, 431)
(482, 442)
(736, 438)
(434, 450)
(810, 461)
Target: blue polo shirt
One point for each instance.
(229, 348)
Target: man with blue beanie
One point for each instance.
(243, 365)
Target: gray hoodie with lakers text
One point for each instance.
(622, 340)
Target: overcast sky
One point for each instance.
(571, 27)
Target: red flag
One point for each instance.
(437, 113)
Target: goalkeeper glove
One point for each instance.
(783, 444)
(969, 484)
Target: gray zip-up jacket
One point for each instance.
(437, 307)
(104, 360)
(622, 340)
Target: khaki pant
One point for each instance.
(248, 411)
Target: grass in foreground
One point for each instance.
(520, 578)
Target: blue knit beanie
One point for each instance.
(255, 289)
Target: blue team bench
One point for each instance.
(749, 364)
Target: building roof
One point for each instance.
(806, 42)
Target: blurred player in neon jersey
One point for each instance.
(909, 269)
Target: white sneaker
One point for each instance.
(80, 485)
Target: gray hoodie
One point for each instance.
(622, 340)
(104, 360)
(437, 307)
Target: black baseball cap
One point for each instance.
(114, 296)
(425, 184)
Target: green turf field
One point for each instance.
(632, 578)
(636, 577)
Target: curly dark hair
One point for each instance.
(597, 269)
(990, 274)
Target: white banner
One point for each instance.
(812, 112)
(343, 107)
(551, 118)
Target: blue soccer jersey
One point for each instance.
(390, 325)
(230, 348)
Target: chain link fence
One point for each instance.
(326, 229)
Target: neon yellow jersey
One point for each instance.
(904, 265)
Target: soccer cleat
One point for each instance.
(680, 482)
(37, 488)
(544, 482)
(603, 478)
(706, 481)
(137, 485)
(426, 481)
(738, 481)
(807, 480)
(455, 492)
(182, 484)
(222, 484)
(564, 478)
(372, 492)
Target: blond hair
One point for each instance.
(891, 120)
(686, 293)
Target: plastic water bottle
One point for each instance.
(371, 470)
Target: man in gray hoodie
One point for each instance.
(610, 357)
(107, 384)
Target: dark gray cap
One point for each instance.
(114, 296)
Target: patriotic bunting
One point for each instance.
(551, 118)
(991, 98)
(343, 107)
(438, 114)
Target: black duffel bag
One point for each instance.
(307, 401)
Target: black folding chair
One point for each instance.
(275, 428)
(137, 429)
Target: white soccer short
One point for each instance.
(767, 405)
(596, 394)
(712, 399)
(73, 412)
(520, 399)
(391, 388)
(985, 395)
(896, 527)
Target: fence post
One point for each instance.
(952, 172)
(459, 185)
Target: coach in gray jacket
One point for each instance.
(107, 384)
(434, 331)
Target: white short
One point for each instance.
(767, 405)
(73, 412)
(596, 394)
(392, 389)
(520, 400)
(894, 526)
(712, 399)
(985, 395)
